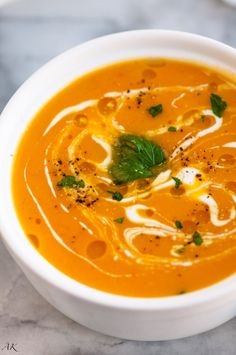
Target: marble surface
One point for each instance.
(31, 32)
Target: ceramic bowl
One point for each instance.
(125, 317)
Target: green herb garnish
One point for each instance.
(70, 181)
(116, 195)
(119, 220)
(155, 110)
(172, 129)
(135, 157)
(197, 239)
(178, 225)
(81, 184)
(177, 181)
(218, 105)
(202, 117)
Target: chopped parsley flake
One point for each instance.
(81, 183)
(155, 110)
(119, 220)
(218, 105)
(178, 224)
(177, 181)
(70, 181)
(172, 129)
(197, 238)
(116, 195)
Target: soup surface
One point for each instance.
(125, 180)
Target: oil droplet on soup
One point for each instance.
(96, 249)
(148, 74)
(107, 106)
(81, 120)
(226, 159)
(137, 160)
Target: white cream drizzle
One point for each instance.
(83, 225)
(105, 179)
(117, 126)
(184, 263)
(230, 145)
(65, 209)
(162, 177)
(75, 143)
(134, 92)
(55, 235)
(163, 180)
(176, 250)
(131, 233)
(106, 146)
(89, 103)
(214, 211)
(58, 238)
(182, 147)
(76, 108)
(201, 187)
(188, 175)
(49, 181)
(215, 127)
(133, 216)
(173, 102)
(190, 141)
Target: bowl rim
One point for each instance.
(31, 260)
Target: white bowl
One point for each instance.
(125, 317)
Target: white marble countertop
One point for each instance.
(31, 32)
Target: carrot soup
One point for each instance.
(125, 180)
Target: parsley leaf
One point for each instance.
(119, 220)
(218, 105)
(197, 238)
(178, 224)
(155, 110)
(177, 181)
(116, 195)
(172, 129)
(135, 157)
(70, 181)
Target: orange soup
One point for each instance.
(125, 180)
